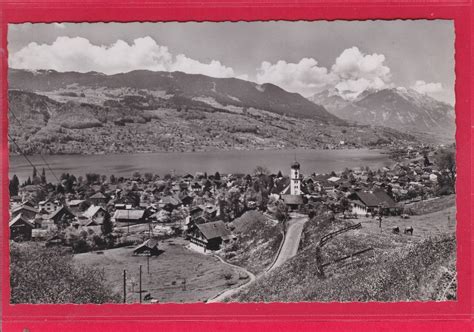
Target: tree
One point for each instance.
(345, 205)
(56, 278)
(112, 179)
(148, 177)
(217, 176)
(446, 162)
(281, 212)
(107, 227)
(43, 176)
(261, 170)
(14, 185)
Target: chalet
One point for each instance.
(186, 199)
(26, 211)
(62, 213)
(96, 214)
(364, 202)
(147, 248)
(75, 204)
(48, 206)
(169, 203)
(208, 236)
(196, 187)
(130, 216)
(98, 199)
(20, 228)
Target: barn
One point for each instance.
(20, 228)
(147, 248)
(130, 216)
(364, 202)
(208, 236)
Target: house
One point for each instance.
(208, 236)
(26, 211)
(75, 204)
(292, 201)
(169, 203)
(130, 216)
(364, 202)
(96, 214)
(147, 248)
(60, 214)
(48, 206)
(98, 199)
(20, 228)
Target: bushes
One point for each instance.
(42, 275)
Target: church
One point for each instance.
(292, 195)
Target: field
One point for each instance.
(177, 275)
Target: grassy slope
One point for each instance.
(205, 276)
(75, 127)
(401, 268)
(258, 240)
(415, 274)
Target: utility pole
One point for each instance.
(124, 286)
(148, 264)
(140, 284)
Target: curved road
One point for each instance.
(292, 240)
(288, 250)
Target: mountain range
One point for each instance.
(183, 89)
(143, 111)
(398, 108)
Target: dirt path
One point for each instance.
(288, 250)
(232, 291)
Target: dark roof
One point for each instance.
(24, 207)
(20, 218)
(295, 165)
(212, 230)
(62, 208)
(148, 244)
(292, 199)
(375, 198)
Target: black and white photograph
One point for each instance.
(217, 162)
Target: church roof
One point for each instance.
(295, 165)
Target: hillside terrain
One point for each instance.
(395, 267)
(92, 113)
(398, 108)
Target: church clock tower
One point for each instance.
(295, 180)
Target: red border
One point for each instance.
(431, 316)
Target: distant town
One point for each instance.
(238, 223)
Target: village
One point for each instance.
(148, 216)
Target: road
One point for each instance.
(292, 240)
(288, 250)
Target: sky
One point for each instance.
(346, 57)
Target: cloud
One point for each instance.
(78, 54)
(427, 88)
(352, 73)
(358, 72)
(304, 77)
(60, 25)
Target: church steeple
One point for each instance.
(295, 180)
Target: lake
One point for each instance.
(312, 161)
